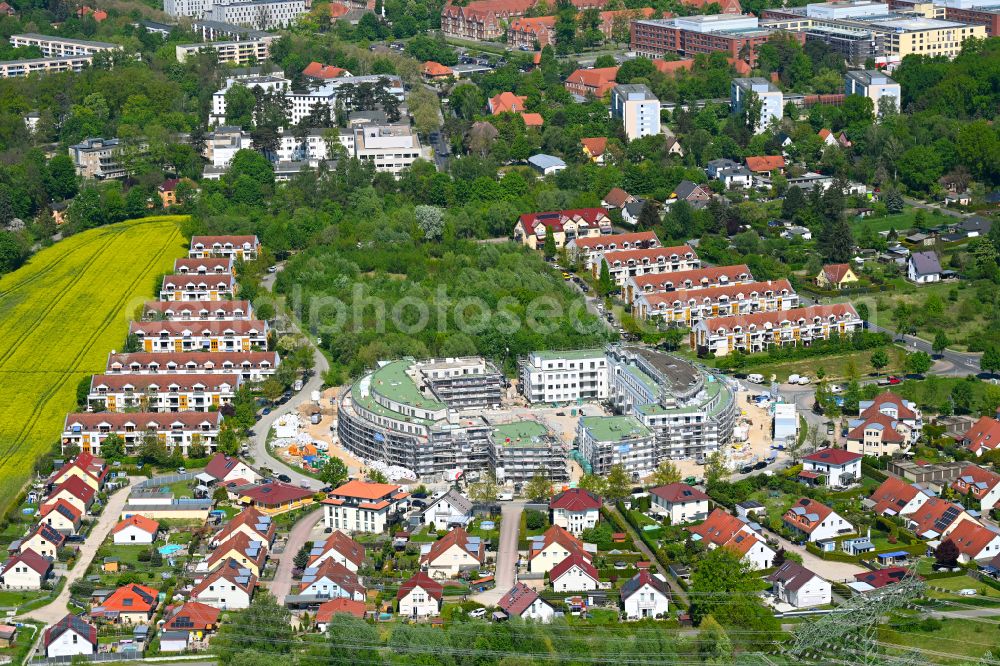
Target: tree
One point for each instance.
(963, 396)
(649, 215)
(535, 520)
(376, 476)
(666, 473)
(334, 472)
(229, 442)
(879, 359)
(301, 559)
(605, 285)
(716, 468)
(60, 178)
(549, 247)
(793, 202)
(430, 219)
(351, 641)
(538, 488)
(946, 554)
(940, 343)
(240, 103)
(271, 389)
(893, 201)
(220, 494)
(714, 646)
(751, 112)
(990, 360)
(153, 451)
(12, 252)
(197, 450)
(617, 485)
(919, 362)
(721, 576)
(485, 490)
(264, 627)
(593, 483)
(113, 447)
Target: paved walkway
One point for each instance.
(56, 609)
(299, 535)
(506, 564)
(675, 588)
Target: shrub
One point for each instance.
(535, 520)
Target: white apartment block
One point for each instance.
(161, 393)
(637, 108)
(61, 47)
(211, 336)
(687, 307)
(772, 102)
(391, 148)
(238, 53)
(565, 376)
(10, 69)
(260, 15)
(759, 331)
(87, 430)
(874, 85)
(625, 264)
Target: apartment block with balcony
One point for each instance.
(17, 68)
(211, 336)
(758, 332)
(98, 158)
(161, 393)
(625, 264)
(252, 366)
(874, 85)
(86, 431)
(638, 109)
(244, 248)
(687, 307)
(198, 287)
(701, 278)
(61, 47)
(521, 449)
(772, 101)
(564, 376)
(242, 52)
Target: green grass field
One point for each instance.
(60, 315)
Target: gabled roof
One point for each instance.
(32, 560)
(935, 516)
(73, 623)
(576, 499)
(335, 572)
(836, 272)
(556, 219)
(807, 514)
(716, 294)
(432, 68)
(332, 607)
(556, 534)
(977, 480)
(221, 465)
(422, 580)
(719, 528)
(131, 598)
(678, 492)
(879, 421)
(338, 542)
(636, 583)
(765, 164)
(617, 197)
(971, 538)
(235, 241)
(192, 616)
(252, 518)
(507, 102)
(252, 549)
(710, 274)
(984, 434)
(318, 70)
(165, 382)
(456, 499)
(652, 255)
(831, 456)
(600, 78)
(893, 495)
(139, 522)
(634, 237)
(517, 600)
(686, 188)
(673, 66)
(85, 462)
(839, 311)
(48, 533)
(532, 119)
(925, 263)
(882, 577)
(887, 401)
(792, 575)
(474, 546)
(232, 572)
(63, 507)
(595, 145)
(575, 560)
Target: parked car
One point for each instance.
(893, 380)
(477, 613)
(284, 478)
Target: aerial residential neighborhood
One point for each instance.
(500, 331)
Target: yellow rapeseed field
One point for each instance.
(60, 315)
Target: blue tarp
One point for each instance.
(893, 555)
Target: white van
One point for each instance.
(755, 379)
(803, 380)
(793, 379)
(506, 497)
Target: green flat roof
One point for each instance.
(570, 354)
(520, 433)
(614, 428)
(392, 381)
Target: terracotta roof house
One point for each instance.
(877, 435)
(617, 198)
(530, 228)
(229, 587)
(248, 552)
(836, 276)
(937, 518)
(192, 617)
(975, 542)
(816, 521)
(420, 596)
(61, 516)
(6, 9)
(341, 548)
(532, 119)
(594, 147)
(882, 577)
(317, 70)
(328, 609)
(223, 468)
(70, 636)
(552, 548)
(681, 502)
(673, 66)
(332, 579)
(983, 436)
(723, 530)
(42, 539)
(766, 164)
(506, 102)
(523, 602)
(136, 529)
(597, 82)
(92, 470)
(896, 497)
(251, 522)
(982, 484)
(453, 553)
(435, 70)
(277, 497)
(575, 509)
(129, 604)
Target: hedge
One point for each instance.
(876, 474)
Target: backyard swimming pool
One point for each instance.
(170, 548)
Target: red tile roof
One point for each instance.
(131, 598)
(617, 197)
(575, 499)
(63, 507)
(812, 513)
(507, 102)
(173, 328)
(595, 145)
(836, 272)
(725, 530)
(840, 311)
(882, 577)
(831, 456)
(519, 599)
(318, 70)
(209, 264)
(632, 238)
(556, 219)
(432, 68)
(532, 119)
(894, 494)
(642, 578)
(192, 616)
(673, 66)
(233, 573)
(457, 537)
(276, 493)
(46, 532)
(971, 478)
(677, 279)
(984, 434)
(164, 381)
(71, 623)
(931, 516)
(330, 608)
(652, 255)
(678, 492)
(209, 241)
(77, 487)
(597, 81)
(569, 562)
(765, 164)
(365, 490)
(32, 560)
(348, 548)
(889, 399)
(252, 549)
(729, 290)
(86, 462)
(556, 534)
(253, 519)
(971, 538)
(728, 6)
(221, 465)
(422, 580)
(141, 522)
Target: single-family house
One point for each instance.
(192, 617)
(69, 637)
(453, 553)
(975, 542)
(555, 546)
(247, 552)
(896, 497)
(43, 540)
(937, 518)
(696, 195)
(341, 549)
(275, 498)
(730, 173)
(722, 530)
(837, 467)
(250, 522)
(983, 436)
(816, 521)
(420, 596)
(877, 435)
(61, 516)
(616, 198)
(26, 570)
(923, 267)
(436, 71)
(332, 579)
(136, 530)
(594, 147)
(229, 587)
(448, 509)
(129, 604)
(75, 491)
(645, 595)
(981, 484)
(681, 502)
(91, 470)
(827, 137)
(223, 468)
(836, 276)
(574, 574)
(523, 602)
(340, 605)
(799, 587)
(765, 165)
(575, 510)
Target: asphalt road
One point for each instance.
(506, 565)
(56, 610)
(964, 363)
(297, 537)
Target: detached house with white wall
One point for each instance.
(69, 637)
(836, 467)
(722, 530)
(25, 571)
(799, 587)
(136, 530)
(681, 503)
(453, 553)
(420, 596)
(981, 484)
(816, 521)
(523, 602)
(645, 595)
(575, 510)
(574, 574)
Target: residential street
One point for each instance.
(506, 564)
(300, 534)
(56, 610)
(833, 571)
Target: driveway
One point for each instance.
(56, 610)
(835, 572)
(506, 564)
(676, 590)
(282, 583)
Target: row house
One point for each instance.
(566, 225)
(703, 278)
(625, 264)
(340, 548)
(249, 522)
(983, 436)
(184, 336)
(687, 307)
(228, 587)
(452, 554)
(975, 542)
(757, 332)
(87, 430)
(553, 547)
(981, 484)
(196, 310)
(585, 249)
(246, 551)
(187, 287)
(92, 470)
(161, 393)
(937, 518)
(252, 366)
(61, 516)
(204, 266)
(74, 491)
(244, 248)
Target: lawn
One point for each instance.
(15, 598)
(60, 315)
(959, 318)
(902, 222)
(962, 583)
(839, 366)
(128, 558)
(961, 640)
